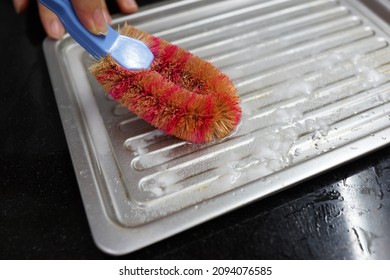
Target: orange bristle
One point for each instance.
(181, 94)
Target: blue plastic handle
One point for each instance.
(128, 52)
(96, 45)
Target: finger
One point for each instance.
(106, 12)
(20, 5)
(51, 23)
(91, 15)
(127, 6)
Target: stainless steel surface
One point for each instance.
(313, 77)
(385, 3)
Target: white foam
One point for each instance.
(369, 76)
(147, 160)
(287, 115)
(138, 144)
(162, 184)
(270, 150)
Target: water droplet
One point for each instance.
(317, 135)
(84, 173)
(364, 239)
(355, 129)
(297, 152)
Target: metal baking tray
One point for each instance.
(385, 3)
(314, 82)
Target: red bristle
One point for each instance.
(181, 94)
(154, 46)
(205, 128)
(182, 110)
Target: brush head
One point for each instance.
(180, 93)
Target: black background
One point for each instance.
(342, 214)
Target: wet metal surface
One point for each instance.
(313, 77)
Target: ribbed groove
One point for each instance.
(306, 71)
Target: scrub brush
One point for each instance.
(179, 93)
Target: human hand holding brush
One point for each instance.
(167, 86)
(93, 14)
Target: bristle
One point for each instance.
(181, 94)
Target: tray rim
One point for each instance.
(113, 239)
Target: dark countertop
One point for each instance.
(341, 214)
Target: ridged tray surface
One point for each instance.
(314, 83)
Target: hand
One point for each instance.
(93, 14)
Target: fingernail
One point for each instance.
(56, 29)
(100, 25)
(17, 6)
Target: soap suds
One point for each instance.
(273, 146)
